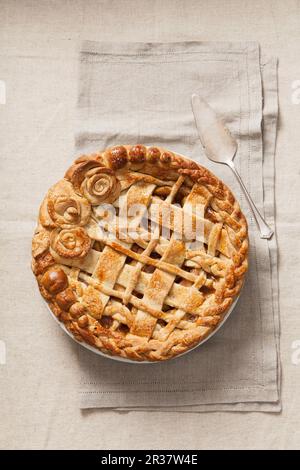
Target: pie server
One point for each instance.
(220, 147)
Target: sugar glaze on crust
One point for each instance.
(147, 299)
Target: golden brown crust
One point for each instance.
(142, 300)
(95, 182)
(70, 242)
(62, 207)
(54, 280)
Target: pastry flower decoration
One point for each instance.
(70, 243)
(64, 208)
(94, 181)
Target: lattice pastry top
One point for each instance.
(139, 251)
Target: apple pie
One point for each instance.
(140, 252)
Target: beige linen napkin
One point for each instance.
(132, 93)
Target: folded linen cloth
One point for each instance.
(140, 93)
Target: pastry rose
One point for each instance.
(97, 183)
(64, 208)
(70, 243)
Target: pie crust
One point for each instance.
(154, 291)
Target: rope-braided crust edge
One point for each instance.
(163, 164)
